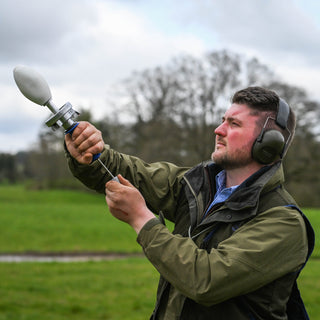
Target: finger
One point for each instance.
(90, 151)
(114, 204)
(82, 125)
(71, 137)
(81, 136)
(71, 148)
(106, 188)
(90, 144)
(67, 139)
(112, 186)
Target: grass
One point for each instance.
(80, 221)
(60, 220)
(309, 286)
(314, 217)
(122, 289)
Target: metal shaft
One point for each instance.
(109, 172)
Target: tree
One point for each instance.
(8, 168)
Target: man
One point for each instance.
(239, 240)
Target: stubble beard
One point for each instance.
(237, 159)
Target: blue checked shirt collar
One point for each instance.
(222, 193)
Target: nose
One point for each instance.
(220, 130)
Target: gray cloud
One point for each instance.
(41, 31)
(275, 28)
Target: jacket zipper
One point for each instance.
(196, 200)
(199, 214)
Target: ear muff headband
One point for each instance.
(283, 114)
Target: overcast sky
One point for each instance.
(82, 47)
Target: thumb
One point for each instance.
(124, 181)
(87, 157)
(68, 138)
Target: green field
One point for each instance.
(121, 289)
(79, 221)
(60, 221)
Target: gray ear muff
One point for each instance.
(268, 146)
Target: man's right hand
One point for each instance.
(85, 141)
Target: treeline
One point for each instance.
(169, 113)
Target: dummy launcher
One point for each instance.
(35, 88)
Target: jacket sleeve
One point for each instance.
(158, 182)
(269, 246)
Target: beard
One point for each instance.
(236, 159)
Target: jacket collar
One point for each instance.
(243, 203)
(248, 193)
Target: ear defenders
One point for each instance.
(270, 144)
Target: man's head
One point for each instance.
(253, 108)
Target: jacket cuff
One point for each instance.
(146, 231)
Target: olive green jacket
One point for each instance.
(240, 262)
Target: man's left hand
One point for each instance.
(127, 204)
